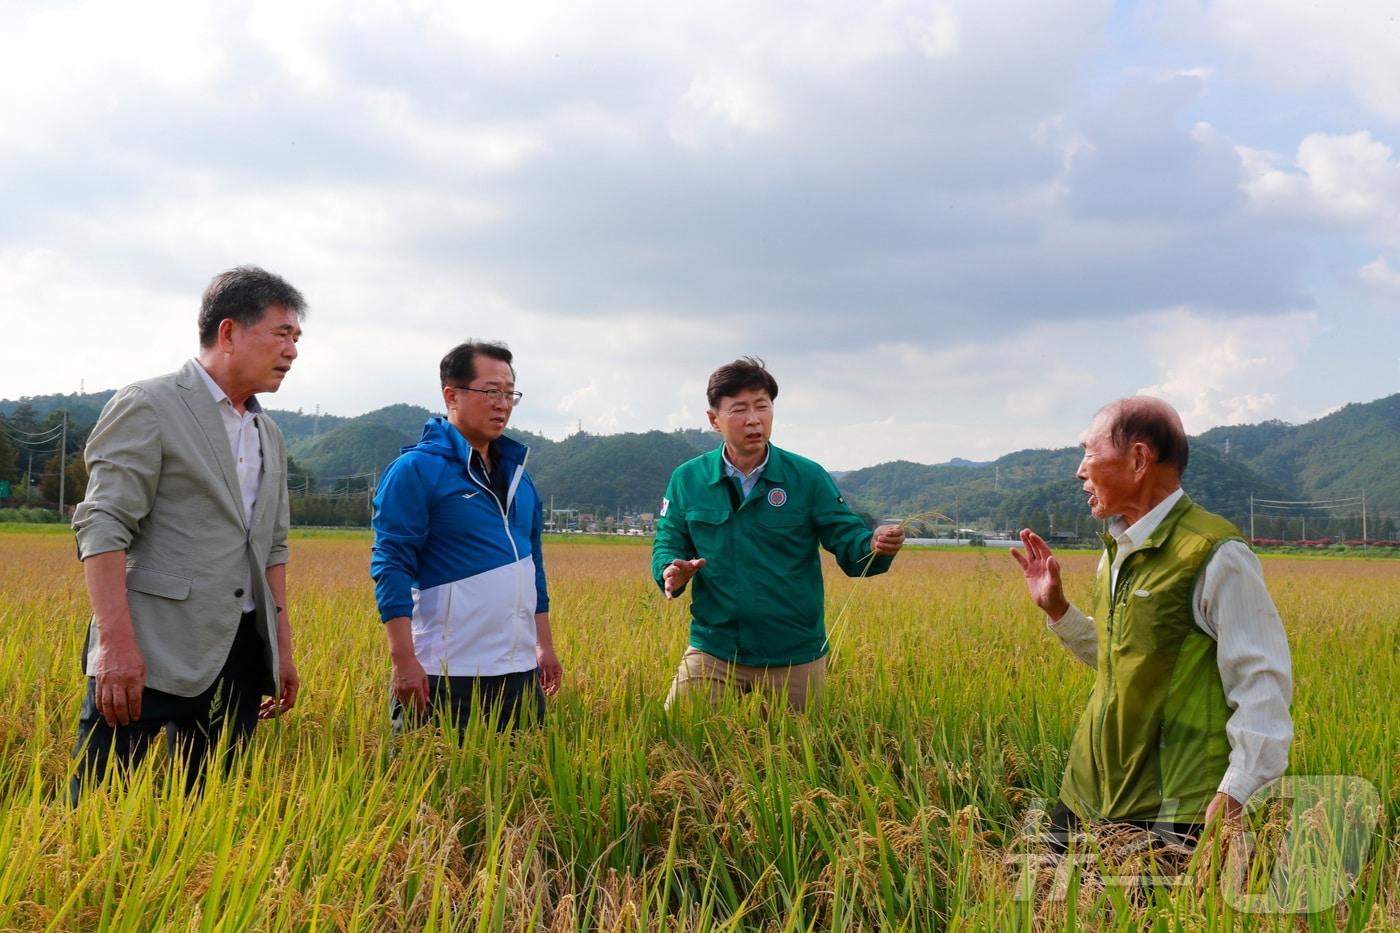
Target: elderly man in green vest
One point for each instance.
(1189, 712)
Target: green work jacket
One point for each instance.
(758, 600)
(1151, 744)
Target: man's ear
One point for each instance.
(1142, 457)
(714, 418)
(224, 340)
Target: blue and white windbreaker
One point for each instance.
(469, 573)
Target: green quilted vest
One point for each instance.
(1151, 744)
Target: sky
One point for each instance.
(952, 229)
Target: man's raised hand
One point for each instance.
(678, 574)
(1042, 572)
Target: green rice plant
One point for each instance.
(897, 803)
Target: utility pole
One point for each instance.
(29, 479)
(1251, 518)
(1363, 518)
(62, 461)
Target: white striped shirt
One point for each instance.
(1232, 605)
(246, 447)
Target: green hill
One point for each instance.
(83, 408)
(607, 473)
(1035, 488)
(1352, 450)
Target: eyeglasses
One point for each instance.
(495, 395)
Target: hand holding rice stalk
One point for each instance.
(834, 629)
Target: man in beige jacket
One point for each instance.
(183, 538)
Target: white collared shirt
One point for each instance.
(1232, 605)
(246, 447)
(747, 481)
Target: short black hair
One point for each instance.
(747, 372)
(1150, 421)
(243, 294)
(458, 367)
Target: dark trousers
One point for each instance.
(193, 725)
(504, 700)
(1065, 823)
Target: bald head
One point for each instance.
(1150, 421)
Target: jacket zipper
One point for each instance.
(504, 508)
(1123, 578)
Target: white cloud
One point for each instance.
(942, 242)
(468, 148)
(1350, 181)
(85, 326)
(1301, 44)
(62, 66)
(717, 105)
(1381, 279)
(1225, 371)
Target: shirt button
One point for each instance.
(238, 593)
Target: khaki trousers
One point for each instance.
(704, 672)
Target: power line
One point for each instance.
(1312, 503)
(50, 432)
(34, 444)
(1285, 508)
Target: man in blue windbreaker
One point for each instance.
(457, 566)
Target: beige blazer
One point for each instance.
(162, 486)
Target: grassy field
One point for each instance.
(893, 806)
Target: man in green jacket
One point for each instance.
(1189, 711)
(752, 516)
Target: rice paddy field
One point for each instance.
(898, 804)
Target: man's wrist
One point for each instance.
(115, 629)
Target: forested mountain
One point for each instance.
(1033, 487)
(1352, 450)
(618, 472)
(83, 409)
(587, 472)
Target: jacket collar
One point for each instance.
(253, 406)
(1159, 534)
(200, 401)
(440, 437)
(774, 472)
(1153, 528)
